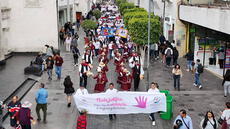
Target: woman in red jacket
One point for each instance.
(81, 120)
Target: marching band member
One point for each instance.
(101, 81)
(87, 57)
(84, 69)
(126, 80)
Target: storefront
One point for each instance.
(211, 47)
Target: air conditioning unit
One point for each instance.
(168, 20)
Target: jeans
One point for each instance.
(75, 58)
(44, 109)
(83, 80)
(49, 72)
(176, 81)
(226, 88)
(58, 71)
(152, 116)
(189, 64)
(197, 79)
(168, 61)
(174, 61)
(96, 51)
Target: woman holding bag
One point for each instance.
(69, 90)
(209, 121)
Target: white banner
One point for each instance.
(121, 103)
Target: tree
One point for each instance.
(127, 10)
(118, 2)
(125, 5)
(88, 25)
(97, 14)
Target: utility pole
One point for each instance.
(68, 11)
(164, 17)
(149, 16)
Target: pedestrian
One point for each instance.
(74, 41)
(68, 41)
(39, 61)
(82, 91)
(76, 54)
(156, 51)
(69, 90)
(101, 80)
(153, 90)
(175, 56)
(62, 35)
(198, 69)
(1, 114)
(49, 51)
(209, 121)
(13, 107)
(183, 121)
(137, 72)
(177, 74)
(49, 66)
(190, 58)
(221, 56)
(41, 100)
(225, 117)
(83, 69)
(24, 115)
(111, 90)
(226, 83)
(97, 45)
(168, 56)
(78, 23)
(58, 65)
(81, 120)
(151, 51)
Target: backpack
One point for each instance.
(200, 68)
(175, 53)
(168, 53)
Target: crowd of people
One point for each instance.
(110, 44)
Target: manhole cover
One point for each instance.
(191, 109)
(200, 114)
(55, 99)
(186, 95)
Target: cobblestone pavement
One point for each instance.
(195, 101)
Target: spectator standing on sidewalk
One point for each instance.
(49, 66)
(168, 56)
(24, 115)
(226, 83)
(190, 58)
(13, 107)
(209, 121)
(69, 90)
(198, 69)
(111, 90)
(153, 90)
(41, 99)
(81, 120)
(1, 114)
(177, 74)
(183, 121)
(58, 65)
(226, 114)
(49, 51)
(68, 41)
(76, 54)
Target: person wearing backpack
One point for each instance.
(168, 55)
(198, 69)
(175, 55)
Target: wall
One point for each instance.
(32, 26)
(211, 18)
(199, 1)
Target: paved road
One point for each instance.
(196, 101)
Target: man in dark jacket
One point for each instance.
(49, 64)
(190, 58)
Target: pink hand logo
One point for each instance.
(141, 102)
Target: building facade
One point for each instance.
(27, 25)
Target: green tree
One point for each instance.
(88, 25)
(97, 13)
(125, 5)
(127, 10)
(118, 2)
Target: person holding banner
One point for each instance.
(82, 91)
(111, 90)
(153, 90)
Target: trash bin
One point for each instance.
(165, 91)
(168, 114)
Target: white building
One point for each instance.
(77, 9)
(27, 25)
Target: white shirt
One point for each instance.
(153, 91)
(109, 91)
(82, 91)
(97, 45)
(68, 40)
(226, 115)
(110, 46)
